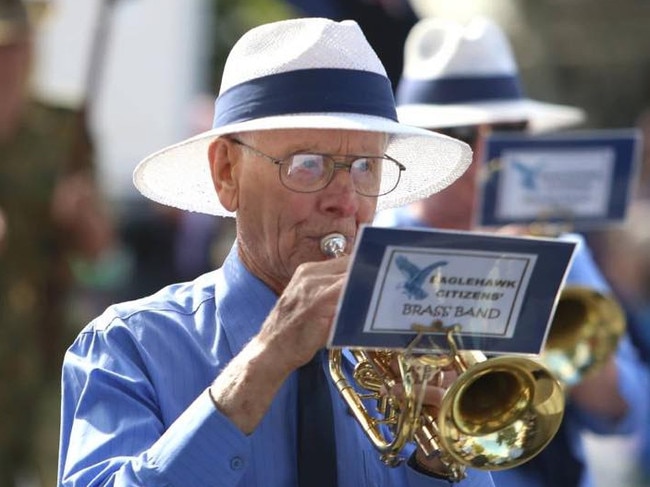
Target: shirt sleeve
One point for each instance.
(632, 382)
(113, 433)
(583, 270)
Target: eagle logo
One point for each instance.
(527, 173)
(415, 277)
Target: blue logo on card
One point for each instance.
(528, 174)
(415, 277)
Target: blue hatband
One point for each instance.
(445, 91)
(322, 90)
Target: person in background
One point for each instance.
(202, 383)
(49, 215)
(461, 80)
(623, 254)
(20, 314)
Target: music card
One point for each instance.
(583, 179)
(409, 287)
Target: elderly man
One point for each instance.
(199, 384)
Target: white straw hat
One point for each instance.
(303, 73)
(465, 74)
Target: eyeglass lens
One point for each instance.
(312, 172)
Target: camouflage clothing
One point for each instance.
(32, 280)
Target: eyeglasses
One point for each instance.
(307, 173)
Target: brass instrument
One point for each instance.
(497, 414)
(585, 332)
(586, 327)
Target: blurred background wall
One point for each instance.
(153, 67)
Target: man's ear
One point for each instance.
(221, 155)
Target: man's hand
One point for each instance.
(80, 211)
(297, 327)
(300, 323)
(432, 396)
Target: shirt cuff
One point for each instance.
(201, 447)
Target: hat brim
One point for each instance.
(541, 116)
(179, 175)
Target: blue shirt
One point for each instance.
(135, 408)
(632, 380)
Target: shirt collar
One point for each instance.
(243, 301)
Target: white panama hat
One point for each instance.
(303, 73)
(459, 74)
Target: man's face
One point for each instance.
(458, 202)
(279, 229)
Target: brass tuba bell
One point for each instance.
(585, 332)
(587, 325)
(497, 414)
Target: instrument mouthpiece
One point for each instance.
(333, 245)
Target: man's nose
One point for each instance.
(340, 195)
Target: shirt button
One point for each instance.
(236, 463)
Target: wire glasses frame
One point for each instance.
(305, 172)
